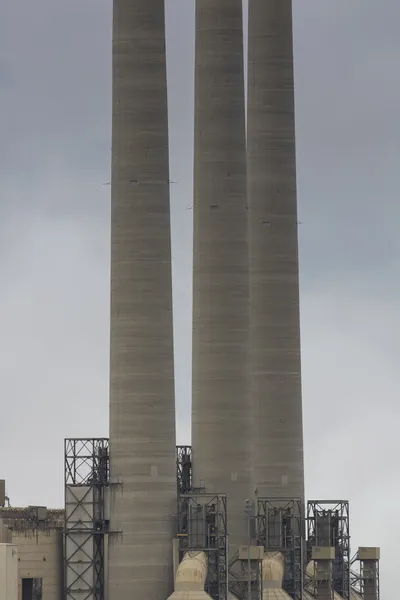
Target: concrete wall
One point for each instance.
(8, 572)
(40, 556)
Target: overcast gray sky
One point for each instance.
(55, 101)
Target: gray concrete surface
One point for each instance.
(221, 416)
(40, 548)
(8, 572)
(142, 415)
(274, 272)
(40, 556)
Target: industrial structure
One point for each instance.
(273, 252)
(221, 409)
(63, 554)
(142, 410)
(225, 518)
(32, 537)
(86, 481)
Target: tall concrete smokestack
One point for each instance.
(221, 410)
(142, 416)
(274, 274)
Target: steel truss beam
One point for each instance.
(86, 473)
(202, 526)
(369, 579)
(184, 469)
(365, 573)
(328, 524)
(245, 578)
(280, 528)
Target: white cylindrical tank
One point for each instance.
(142, 412)
(221, 426)
(274, 269)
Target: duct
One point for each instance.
(273, 252)
(272, 575)
(191, 577)
(221, 410)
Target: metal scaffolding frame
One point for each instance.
(322, 578)
(86, 462)
(184, 469)
(328, 524)
(369, 579)
(365, 573)
(355, 573)
(245, 574)
(202, 526)
(280, 528)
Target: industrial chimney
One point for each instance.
(142, 415)
(274, 269)
(221, 425)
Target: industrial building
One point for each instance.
(63, 554)
(31, 553)
(225, 518)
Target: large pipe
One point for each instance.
(142, 415)
(273, 565)
(221, 426)
(274, 270)
(191, 577)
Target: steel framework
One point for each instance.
(355, 573)
(86, 477)
(322, 578)
(365, 573)
(184, 469)
(369, 579)
(202, 526)
(280, 528)
(245, 576)
(328, 525)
